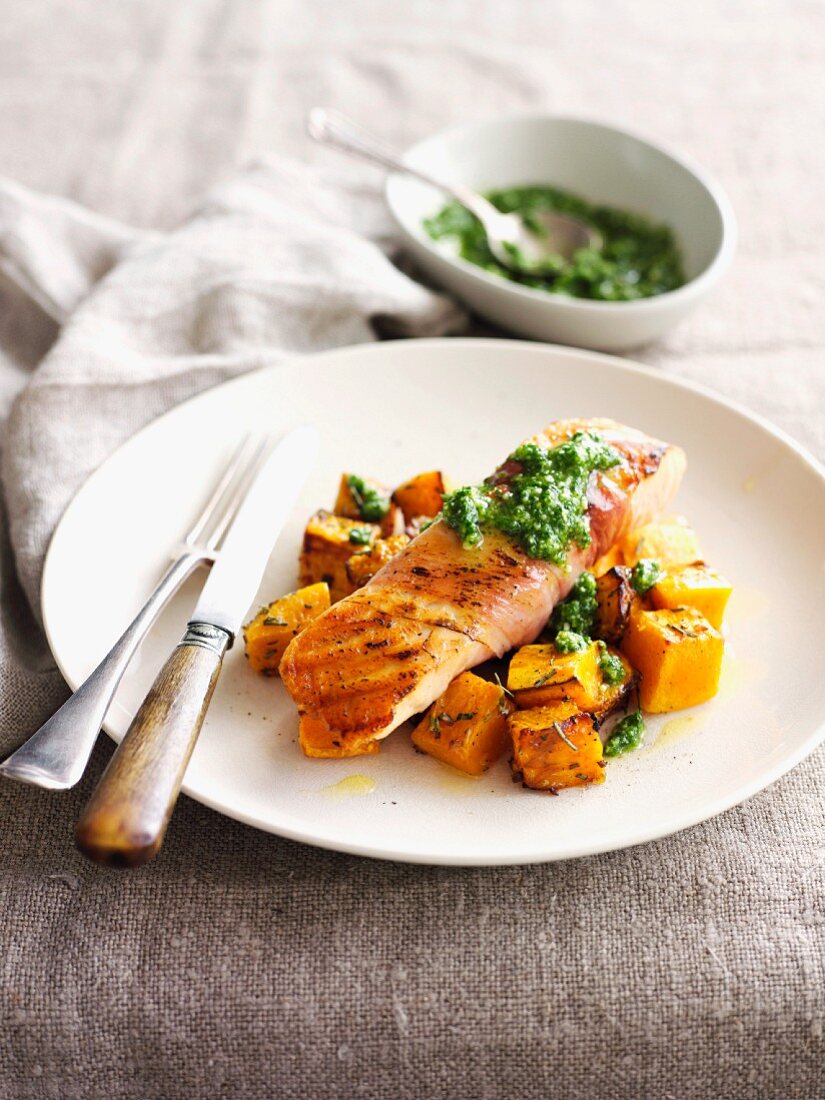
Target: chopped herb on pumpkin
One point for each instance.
(645, 573)
(360, 536)
(371, 504)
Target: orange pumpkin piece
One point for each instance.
(670, 540)
(273, 628)
(329, 543)
(608, 561)
(363, 567)
(317, 741)
(422, 495)
(679, 656)
(539, 675)
(466, 726)
(695, 585)
(614, 696)
(615, 598)
(556, 747)
(352, 505)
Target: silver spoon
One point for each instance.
(513, 243)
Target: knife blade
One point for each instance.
(247, 546)
(125, 820)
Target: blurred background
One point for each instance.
(135, 107)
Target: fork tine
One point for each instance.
(212, 505)
(238, 492)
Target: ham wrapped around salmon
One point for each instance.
(438, 608)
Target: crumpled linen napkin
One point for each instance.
(280, 260)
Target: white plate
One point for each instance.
(390, 410)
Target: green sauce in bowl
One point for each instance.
(639, 259)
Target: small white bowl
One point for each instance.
(600, 163)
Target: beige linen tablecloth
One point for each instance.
(243, 965)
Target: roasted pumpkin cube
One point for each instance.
(678, 654)
(329, 542)
(467, 725)
(608, 561)
(273, 628)
(318, 741)
(422, 495)
(556, 747)
(695, 585)
(364, 498)
(670, 540)
(539, 675)
(614, 695)
(615, 598)
(363, 567)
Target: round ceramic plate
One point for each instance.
(390, 410)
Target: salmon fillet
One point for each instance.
(437, 609)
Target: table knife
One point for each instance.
(125, 820)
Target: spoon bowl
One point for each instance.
(529, 248)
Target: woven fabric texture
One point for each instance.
(169, 226)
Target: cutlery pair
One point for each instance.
(126, 818)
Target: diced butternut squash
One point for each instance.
(363, 567)
(273, 628)
(364, 498)
(466, 726)
(556, 747)
(679, 656)
(539, 675)
(318, 741)
(422, 495)
(608, 561)
(670, 540)
(695, 585)
(615, 598)
(613, 696)
(329, 542)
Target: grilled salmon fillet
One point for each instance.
(437, 609)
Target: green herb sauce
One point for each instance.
(372, 505)
(538, 497)
(578, 612)
(645, 573)
(360, 536)
(568, 641)
(610, 666)
(571, 626)
(627, 735)
(639, 258)
(465, 510)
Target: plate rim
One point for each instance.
(739, 794)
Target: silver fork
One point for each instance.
(56, 755)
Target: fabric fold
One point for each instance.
(279, 260)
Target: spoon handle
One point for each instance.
(333, 128)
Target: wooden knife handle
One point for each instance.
(125, 820)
